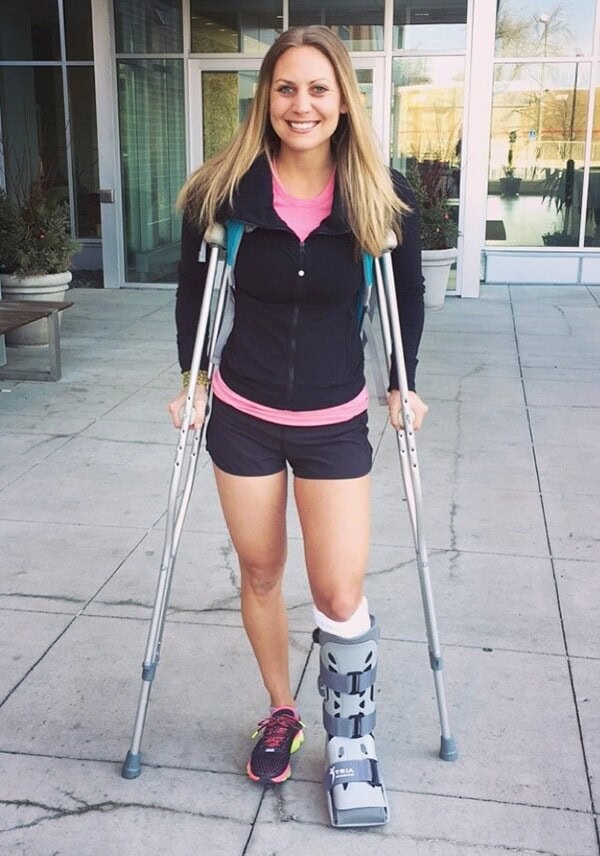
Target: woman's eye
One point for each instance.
(286, 90)
(319, 90)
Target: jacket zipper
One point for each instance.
(295, 315)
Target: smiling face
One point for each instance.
(305, 102)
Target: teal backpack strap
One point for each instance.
(368, 264)
(234, 230)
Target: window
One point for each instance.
(235, 27)
(359, 25)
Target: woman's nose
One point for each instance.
(302, 102)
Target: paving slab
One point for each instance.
(293, 820)
(62, 566)
(24, 638)
(579, 590)
(94, 482)
(553, 427)
(19, 453)
(586, 676)
(570, 394)
(573, 525)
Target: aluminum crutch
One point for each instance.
(184, 471)
(407, 450)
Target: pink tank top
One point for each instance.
(302, 216)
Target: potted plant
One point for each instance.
(439, 231)
(36, 250)
(510, 184)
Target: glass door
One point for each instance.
(220, 96)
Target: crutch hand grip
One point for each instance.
(391, 242)
(182, 414)
(215, 235)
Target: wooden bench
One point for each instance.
(17, 313)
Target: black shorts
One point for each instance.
(243, 445)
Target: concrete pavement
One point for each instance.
(510, 471)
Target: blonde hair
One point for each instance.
(371, 206)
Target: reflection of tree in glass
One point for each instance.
(522, 33)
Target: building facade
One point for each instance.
(118, 100)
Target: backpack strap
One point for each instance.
(234, 230)
(364, 296)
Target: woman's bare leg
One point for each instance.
(254, 509)
(335, 519)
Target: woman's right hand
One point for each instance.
(177, 407)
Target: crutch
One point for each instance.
(184, 471)
(407, 450)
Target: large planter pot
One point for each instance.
(510, 185)
(45, 287)
(436, 266)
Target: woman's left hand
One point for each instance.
(417, 406)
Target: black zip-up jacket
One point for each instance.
(295, 343)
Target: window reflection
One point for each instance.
(235, 27)
(427, 113)
(537, 151)
(84, 140)
(359, 25)
(33, 141)
(592, 223)
(152, 129)
(423, 25)
(544, 27)
(78, 29)
(148, 26)
(29, 30)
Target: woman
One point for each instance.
(305, 176)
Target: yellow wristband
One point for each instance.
(203, 378)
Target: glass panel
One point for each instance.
(33, 126)
(359, 25)
(542, 28)
(364, 77)
(226, 97)
(537, 150)
(78, 29)
(84, 141)
(427, 113)
(592, 223)
(29, 30)
(430, 24)
(152, 129)
(235, 27)
(148, 26)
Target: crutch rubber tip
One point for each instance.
(448, 750)
(132, 766)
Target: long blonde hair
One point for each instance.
(371, 206)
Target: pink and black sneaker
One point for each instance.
(281, 736)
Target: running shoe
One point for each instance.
(281, 735)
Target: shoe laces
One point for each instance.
(276, 729)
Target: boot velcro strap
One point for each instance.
(355, 682)
(347, 772)
(355, 726)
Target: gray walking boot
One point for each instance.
(354, 789)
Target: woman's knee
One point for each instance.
(260, 578)
(339, 605)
